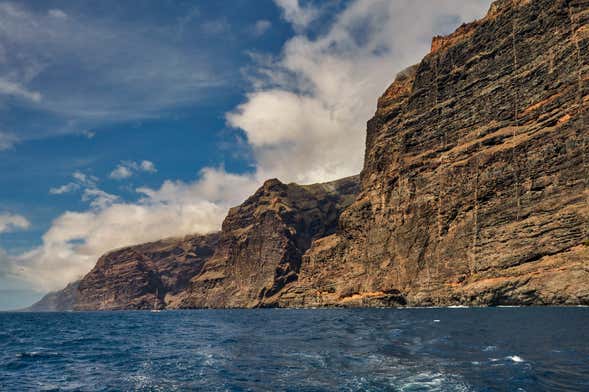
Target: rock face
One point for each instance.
(145, 276)
(57, 301)
(474, 188)
(263, 240)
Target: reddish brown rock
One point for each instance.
(474, 188)
(131, 277)
(263, 240)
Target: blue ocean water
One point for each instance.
(496, 349)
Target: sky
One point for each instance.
(124, 122)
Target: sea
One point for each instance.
(462, 349)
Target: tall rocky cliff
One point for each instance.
(474, 188)
(147, 276)
(474, 191)
(263, 241)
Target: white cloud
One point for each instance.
(121, 172)
(261, 26)
(306, 115)
(76, 239)
(85, 179)
(11, 222)
(147, 166)
(57, 13)
(126, 169)
(299, 16)
(81, 180)
(67, 188)
(98, 198)
(7, 141)
(14, 89)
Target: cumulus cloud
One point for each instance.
(260, 27)
(11, 222)
(121, 172)
(75, 240)
(126, 169)
(305, 118)
(296, 14)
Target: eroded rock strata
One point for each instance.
(153, 275)
(473, 192)
(263, 240)
(474, 188)
(257, 252)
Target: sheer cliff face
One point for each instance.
(263, 240)
(145, 276)
(474, 189)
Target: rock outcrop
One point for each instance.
(474, 188)
(153, 275)
(263, 240)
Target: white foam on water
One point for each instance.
(431, 381)
(515, 358)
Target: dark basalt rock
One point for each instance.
(474, 188)
(263, 240)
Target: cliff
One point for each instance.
(57, 301)
(257, 252)
(145, 276)
(474, 188)
(474, 191)
(263, 241)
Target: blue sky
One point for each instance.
(125, 122)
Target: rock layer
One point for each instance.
(474, 188)
(263, 240)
